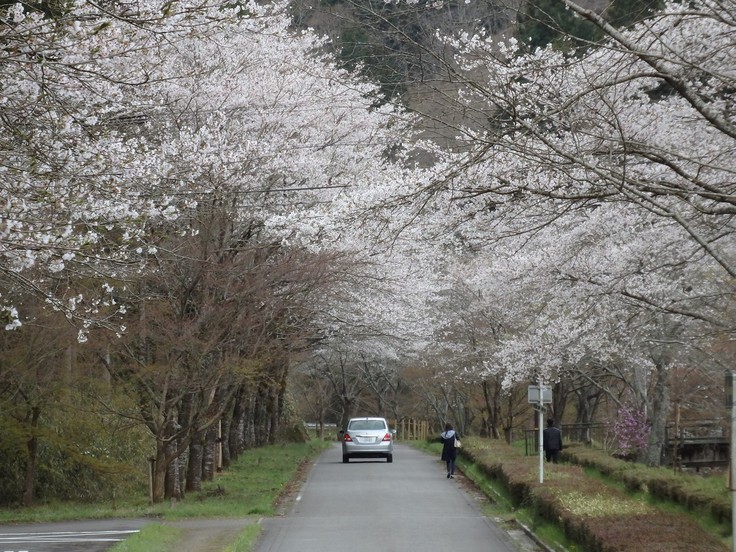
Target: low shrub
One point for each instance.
(597, 516)
(695, 493)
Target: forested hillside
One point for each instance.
(403, 45)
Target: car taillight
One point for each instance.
(347, 437)
(387, 437)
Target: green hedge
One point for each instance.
(597, 516)
(699, 494)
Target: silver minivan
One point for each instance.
(367, 438)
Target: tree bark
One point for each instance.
(209, 459)
(159, 473)
(658, 412)
(194, 466)
(172, 487)
(31, 464)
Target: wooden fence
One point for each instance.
(411, 429)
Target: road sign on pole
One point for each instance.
(540, 395)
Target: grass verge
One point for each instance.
(251, 486)
(151, 537)
(246, 539)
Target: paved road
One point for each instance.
(198, 535)
(370, 505)
(79, 536)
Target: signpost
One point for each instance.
(539, 395)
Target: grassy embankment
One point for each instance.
(251, 487)
(595, 503)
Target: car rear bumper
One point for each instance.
(367, 450)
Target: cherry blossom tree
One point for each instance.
(594, 207)
(191, 160)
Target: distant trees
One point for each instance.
(543, 22)
(396, 44)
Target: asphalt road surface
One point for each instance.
(368, 505)
(79, 536)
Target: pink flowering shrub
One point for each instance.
(631, 430)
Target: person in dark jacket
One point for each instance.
(552, 442)
(449, 452)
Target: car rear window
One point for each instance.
(367, 424)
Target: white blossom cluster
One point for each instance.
(590, 219)
(118, 125)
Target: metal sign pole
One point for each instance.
(539, 395)
(541, 444)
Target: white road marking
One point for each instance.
(66, 537)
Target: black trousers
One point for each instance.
(552, 456)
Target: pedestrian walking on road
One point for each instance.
(552, 442)
(449, 451)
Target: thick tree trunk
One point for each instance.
(194, 466)
(172, 486)
(278, 394)
(31, 464)
(225, 438)
(262, 418)
(347, 403)
(491, 398)
(249, 429)
(237, 425)
(508, 431)
(182, 474)
(225, 431)
(159, 473)
(559, 401)
(209, 460)
(658, 412)
(588, 398)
